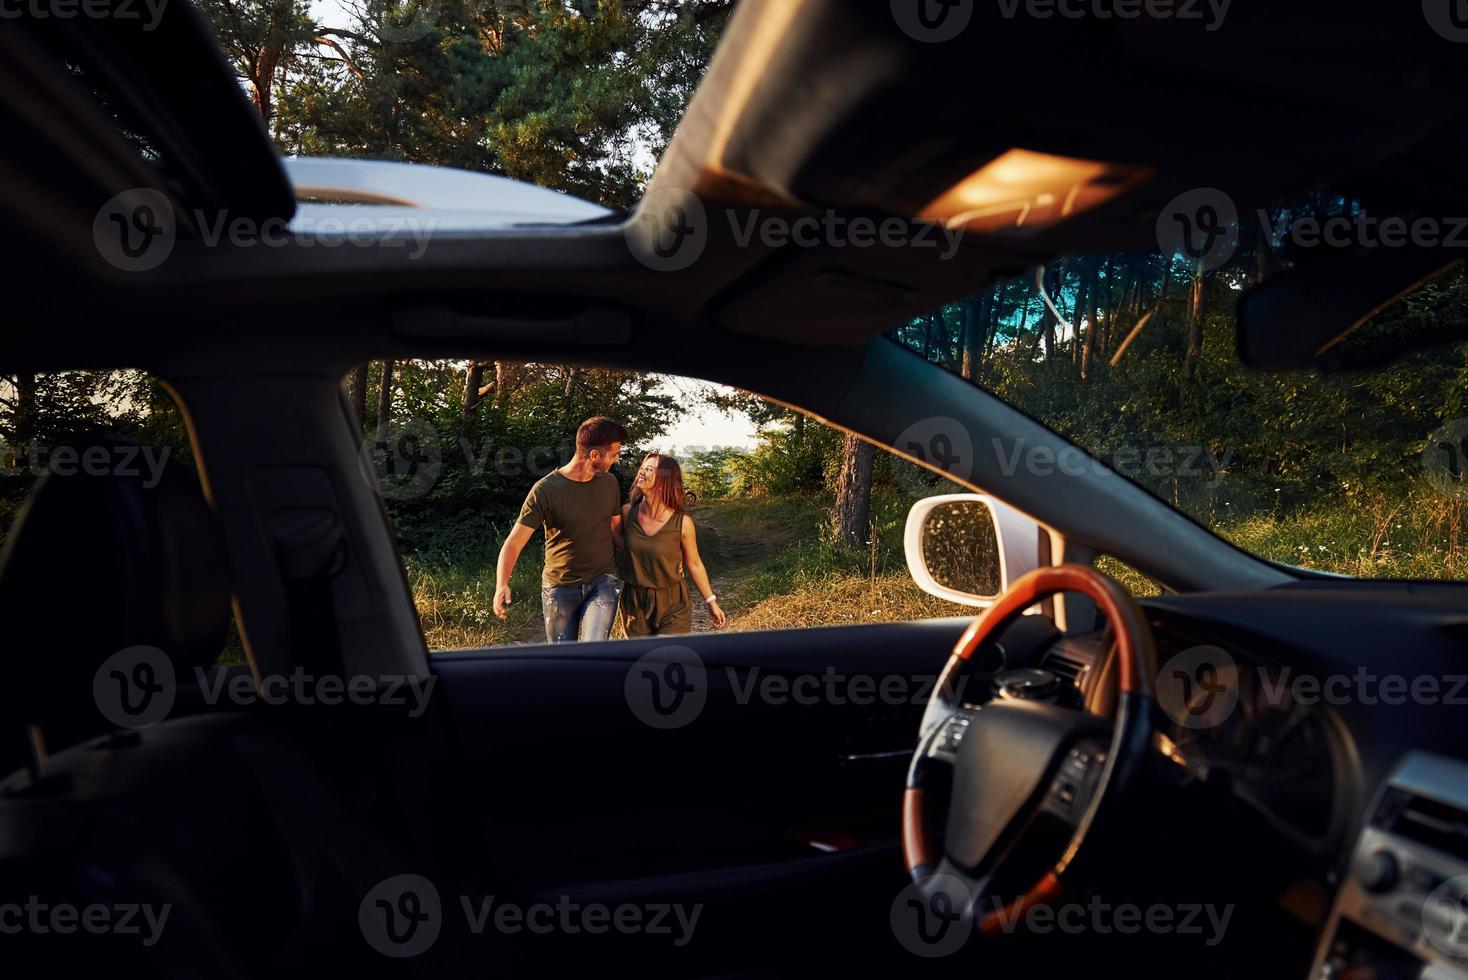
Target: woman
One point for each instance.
(660, 542)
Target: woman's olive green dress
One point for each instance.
(655, 600)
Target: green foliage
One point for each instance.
(1229, 446)
(487, 462)
(716, 474)
(578, 97)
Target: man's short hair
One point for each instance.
(599, 433)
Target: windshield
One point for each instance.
(1133, 357)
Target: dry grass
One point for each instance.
(1417, 536)
(846, 601)
(774, 568)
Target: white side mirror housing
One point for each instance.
(967, 547)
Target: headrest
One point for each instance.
(102, 558)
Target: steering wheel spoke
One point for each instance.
(1070, 792)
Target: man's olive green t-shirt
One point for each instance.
(577, 518)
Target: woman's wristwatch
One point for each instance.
(711, 599)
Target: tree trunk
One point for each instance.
(970, 340)
(852, 516)
(1093, 321)
(570, 379)
(24, 418)
(1084, 275)
(473, 381)
(1054, 279)
(357, 393)
(384, 398)
(991, 330)
(506, 378)
(1194, 346)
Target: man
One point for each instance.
(580, 507)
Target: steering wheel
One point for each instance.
(1011, 760)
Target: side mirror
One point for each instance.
(968, 547)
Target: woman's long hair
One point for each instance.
(667, 489)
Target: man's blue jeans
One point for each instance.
(580, 612)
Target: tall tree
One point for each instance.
(852, 514)
(384, 398)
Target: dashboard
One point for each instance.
(1261, 701)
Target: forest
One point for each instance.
(1130, 355)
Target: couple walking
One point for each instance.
(580, 506)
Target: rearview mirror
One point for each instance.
(1310, 317)
(967, 548)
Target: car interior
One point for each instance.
(792, 827)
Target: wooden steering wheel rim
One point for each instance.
(1136, 665)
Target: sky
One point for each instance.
(702, 429)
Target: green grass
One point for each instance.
(1419, 535)
(775, 566)
(456, 602)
